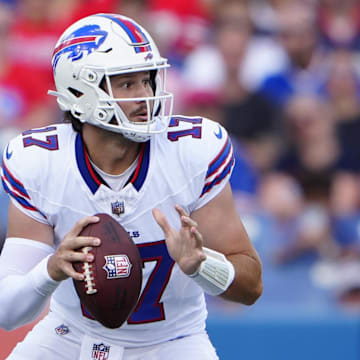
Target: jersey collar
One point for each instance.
(93, 179)
(138, 177)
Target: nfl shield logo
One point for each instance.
(100, 352)
(117, 266)
(118, 207)
(62, 329)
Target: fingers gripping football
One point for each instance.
(185, 245)
(60, 263)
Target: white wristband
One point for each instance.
(215, 274)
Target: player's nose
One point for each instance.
(143, 90)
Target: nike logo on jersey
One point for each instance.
(219, 133)
(8, 154)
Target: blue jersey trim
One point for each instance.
(81, 162)
(16, 184)
(23, 202)
(142, 169)
(220, 158)
(220, 177)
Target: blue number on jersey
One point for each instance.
(149, 307)
(195, 131)
(51, 142)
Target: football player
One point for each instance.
(165, 178)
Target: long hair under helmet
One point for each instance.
(92, 50)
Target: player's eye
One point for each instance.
(125, 85)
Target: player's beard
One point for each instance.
(142, 111)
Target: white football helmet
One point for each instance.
(97, 47)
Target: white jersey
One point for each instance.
(49, 177)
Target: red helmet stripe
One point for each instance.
(79, 40)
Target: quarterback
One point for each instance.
(120, 151)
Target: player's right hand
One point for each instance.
(60, 263)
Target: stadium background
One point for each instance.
(283, 77)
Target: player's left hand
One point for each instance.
(184, 246)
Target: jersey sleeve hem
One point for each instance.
(31, 213)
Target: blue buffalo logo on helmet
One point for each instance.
(82, 41)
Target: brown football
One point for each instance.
(113, 280)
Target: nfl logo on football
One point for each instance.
(118, 207)
(100, 352)
(117, 266)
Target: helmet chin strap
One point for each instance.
(116, 117)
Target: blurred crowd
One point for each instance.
(282, 76)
